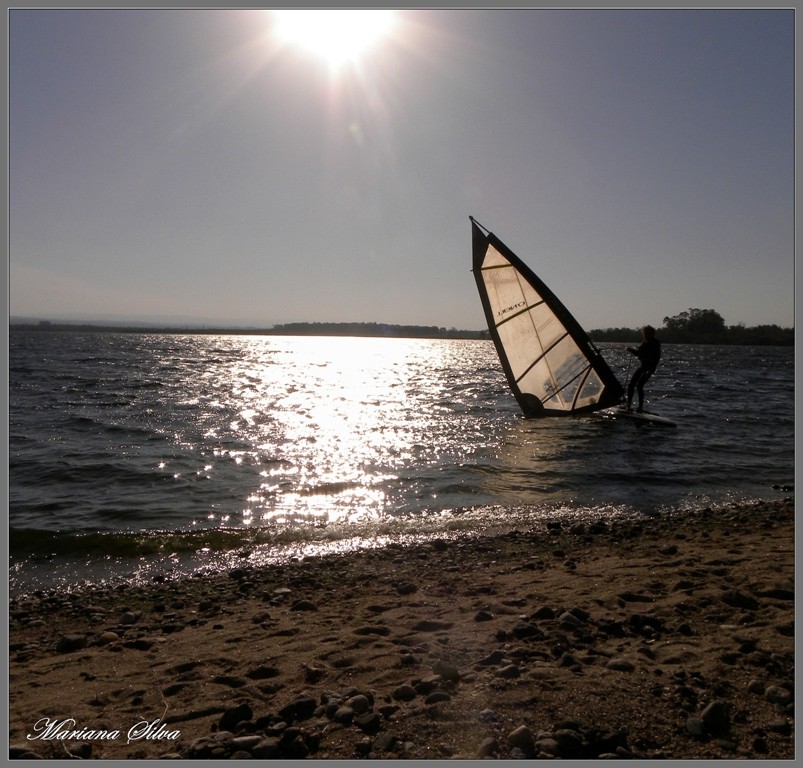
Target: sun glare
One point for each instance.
(338, 36)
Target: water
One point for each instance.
(137, 455)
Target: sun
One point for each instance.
(339, 36)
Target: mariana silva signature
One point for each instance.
(49, 729)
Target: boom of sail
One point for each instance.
(551, 365)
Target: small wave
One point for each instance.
(329, 489)
(85, 472)
(146, 384)
(80, 422)
(29, 542)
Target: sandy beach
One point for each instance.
(666, 638)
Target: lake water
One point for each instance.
(134, 456)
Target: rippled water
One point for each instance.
(142, 453)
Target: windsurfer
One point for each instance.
(648, 353)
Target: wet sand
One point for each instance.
(659, 639)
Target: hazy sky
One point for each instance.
(194, 165)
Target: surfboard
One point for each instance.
(645, 417)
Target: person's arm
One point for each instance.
(637, 352)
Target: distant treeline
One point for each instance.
(696, 326)
(702, 326)
(375, 329)
(286, 329)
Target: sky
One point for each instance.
(205, 166)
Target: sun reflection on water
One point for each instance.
(327, 423)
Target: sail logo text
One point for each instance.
(49, 729)
(512, 308)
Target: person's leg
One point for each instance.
(640, 387)
(631, 387)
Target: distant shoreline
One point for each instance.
(380, 330)
(761, 336)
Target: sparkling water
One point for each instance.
(140, 455)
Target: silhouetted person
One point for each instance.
(648, 353)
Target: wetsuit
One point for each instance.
(649, 353)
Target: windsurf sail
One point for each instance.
(551, 365)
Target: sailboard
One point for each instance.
(643, 417)
(551, 364)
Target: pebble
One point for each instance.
(446, 670)
(716, 717)
(548, 746)
(234, 716)
(526, 629)
(385, 742)
(363, 747)
(778, 695)
(508, 671)
(569, 621)
(359, 703)
(304, 605)
(569, 661)
(569, 741)
(695, 726)
(343, 715)
(404, 692)
(756, 687)
(313, 674)
(780, 726)
(580, 614)
(139, 644)
(621, 665)
(428, 684)
(495, 657)
(245, 742)
(300, 708)
(69, 643)
(543, 613)
(370, 722)
(489, 747)
(522, 737)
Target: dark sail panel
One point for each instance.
(551, 365)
